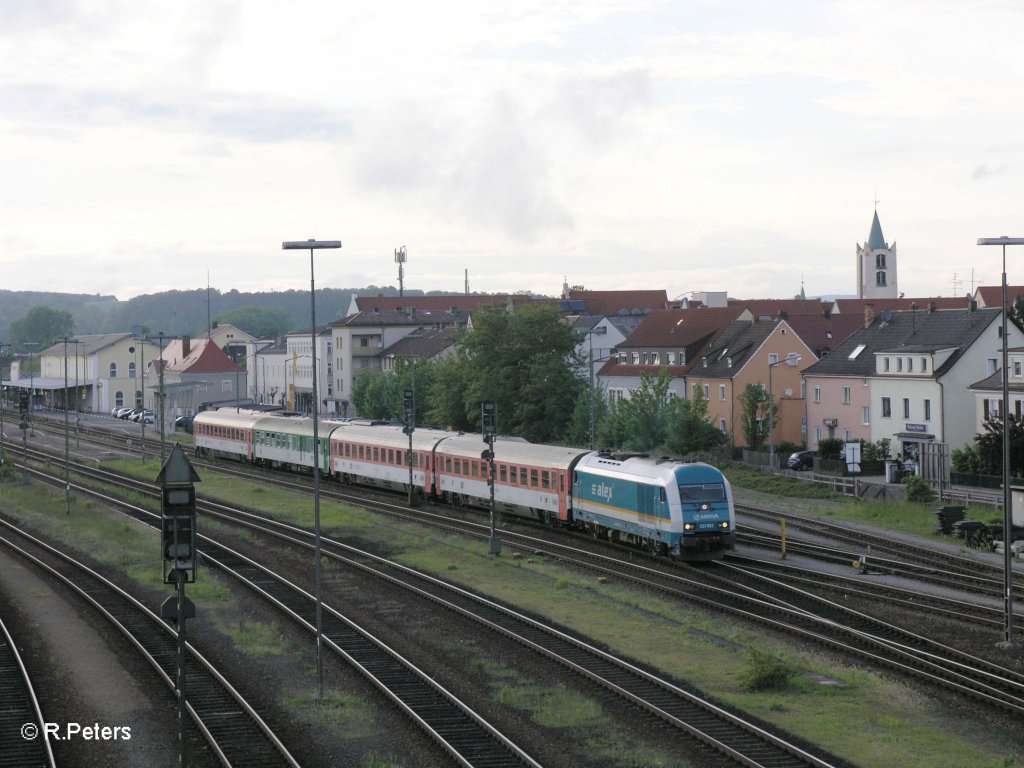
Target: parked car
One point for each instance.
(801, 460)
(147, 417)
(123, 412)
(184, 422)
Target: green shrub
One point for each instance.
(830, 446)
(764, 672)
(918, 489)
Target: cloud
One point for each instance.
(985, 171)
(250, 119)
(597, 106)
(490, 172)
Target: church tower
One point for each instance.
(876, 266)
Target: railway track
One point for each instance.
(913, 600)
(878, 642)
(882, 554)
(745, 742)
(226, 725)
(20, 712)
(884, 646)
(460, 731)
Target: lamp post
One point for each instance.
(599, 330)
(1007, 641)
(3, 405)
(67, 444)
(160, 370)
(141, 340)
(771, 407)
(314, 245)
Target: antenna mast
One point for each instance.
(401, 256)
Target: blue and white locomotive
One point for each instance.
(680, 509)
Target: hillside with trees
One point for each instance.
(182, 312)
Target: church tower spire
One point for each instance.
(876, 265)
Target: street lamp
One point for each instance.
(314, 245)
(1007, 641)
(161, 336)
(67, 444)
(3, 405)
(599, 330)
(790, 360)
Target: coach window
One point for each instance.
(391, 455)
(476, 469)
(522, 476)
(502, 473)
(545, 480)
(533, 478)
(362, 451)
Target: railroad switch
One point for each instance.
(861, 564)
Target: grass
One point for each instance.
(819, 501)
(257, 638)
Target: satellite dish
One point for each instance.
(789, 392)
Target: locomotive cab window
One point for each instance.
(699, 493)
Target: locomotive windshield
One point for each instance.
(691, 494)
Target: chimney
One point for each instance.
(186, 345)
(869, 314)
(932, 306)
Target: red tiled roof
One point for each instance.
(992, 295)
(612, 302)
(203, 357)
(460, 301)
(856, 306)
(772, 307)
(822, 333)
(681, 327)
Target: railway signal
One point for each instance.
(488, 426)
(177, 480)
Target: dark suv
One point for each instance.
(801, 460)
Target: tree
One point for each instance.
(755, 411)
(261, 322)
(966, 460)
(1016, 313)
(689, 429)
(43, 326)
(523, 360)
(990, 446)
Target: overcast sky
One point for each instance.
(684, 145)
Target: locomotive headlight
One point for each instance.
(705, 507)
(688, 526)
(724, 524)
